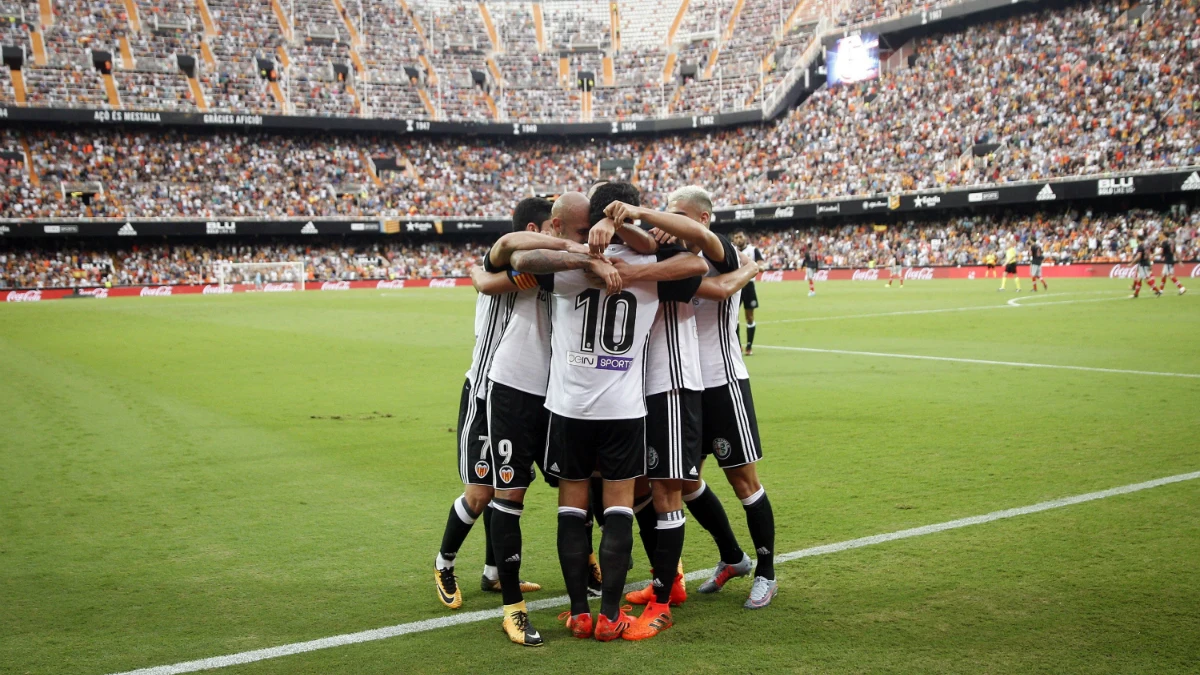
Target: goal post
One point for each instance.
(260, 276)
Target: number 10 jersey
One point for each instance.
(597, 367)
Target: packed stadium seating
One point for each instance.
(1066, 236)
(383, 58)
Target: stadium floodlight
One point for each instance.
(260, 276)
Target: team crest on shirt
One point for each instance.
(481, 469)
(506, 474)
(651, 457)
(721, 448)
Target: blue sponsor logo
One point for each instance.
(613, 363)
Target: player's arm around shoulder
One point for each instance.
(542, 262)
(680, 265)
(723, 286)
(673, 224)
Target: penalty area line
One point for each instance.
(984, 362)
(562, 600)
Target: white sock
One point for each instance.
(491, 572)
(444, 564)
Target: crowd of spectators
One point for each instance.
(1066, 236)
(68, 265)
(432, 45)
(1062, 92)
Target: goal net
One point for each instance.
(260, 276)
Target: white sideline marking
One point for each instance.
(1007, 305)
(980, 361)
(562, 600)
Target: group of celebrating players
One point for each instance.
(607, 354)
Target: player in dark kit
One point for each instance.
(1035, 264)
(811, 265)
(749, 294)
(1144, 261)
(897, 268)
(1168, 270)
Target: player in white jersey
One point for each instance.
(730, 426)
(749, 293)
(674, 437)
(596, 400)
(517, 416)
(493, 308)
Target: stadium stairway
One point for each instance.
(369, 164)
(281, 16)
(683, 8)
(110, 87)
(539, 26)
(39, 48)
(609, 73)
(127, 60)
(284, 59)
(210, 26)
(725, 35)
(207, 55)
(198, 94)
(33, 177)
(428, 103)
(493, 34)
(46, 13)
(131, 15)
(669, 69)
(18, 81)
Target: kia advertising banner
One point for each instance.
(1084, 270)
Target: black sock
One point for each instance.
(615, 547)
(573, 556)
(666, 555)
(507, 547)
(761, 521)
(489, 550)
(590, 518)
(706, 508)
(458, 526)
(647, 519)
(749, 334)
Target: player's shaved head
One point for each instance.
(570, 215)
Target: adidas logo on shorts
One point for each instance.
(554, 466)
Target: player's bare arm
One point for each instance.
(501, 252)
(550, 262)
(491, 283)
(725, 285)
(680, 266)
(602, 233)
(673, 224)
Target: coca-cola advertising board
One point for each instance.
(1084, 270)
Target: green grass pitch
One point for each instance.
(189, 477)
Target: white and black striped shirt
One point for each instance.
(720, 352)
(492, 313)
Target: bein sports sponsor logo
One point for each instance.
(278, 288)
(217, 290)
(580, 360)
(442, 283)
(771, 276)
(394, 283)
(983, 196)
(335, 286)
(23, 296)
(865, 275)
(925, 274)
(1124, 272)
(155, 291)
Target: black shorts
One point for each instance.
(991, 266)
(674, 435)
(577, 448)
(474, 465)
(517, 423)
(749, 296)
(1010, 268)
(730, 426)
